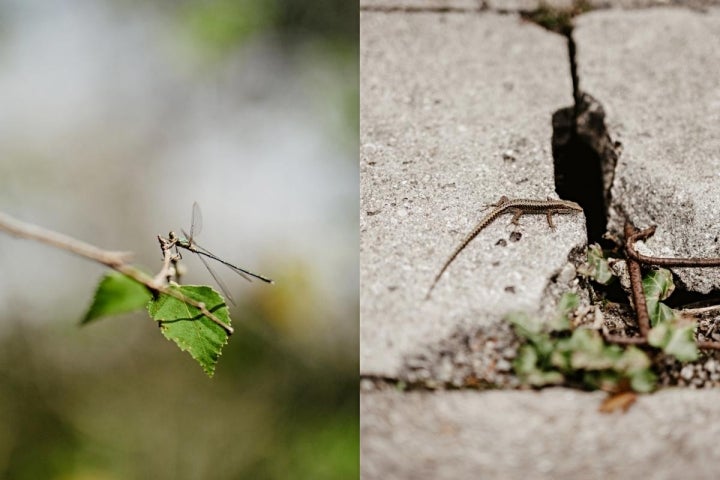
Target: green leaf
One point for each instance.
(568, 303)
(116, 294)
(526, 367)
(659, 335)
(633, 360)
(526, 360)
(607, 380)
(539, 378)
(660, 313)
(585, 339)
(675, 339)
(589, 351)
(682, 344)
(643, 381)
(597, 266)
(560, 359)
(189, 328)
(533, 328)
(544, 345)
(526, 326)
(657, 286)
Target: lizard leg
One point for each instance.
(516, 216)
(502, 200)
(549, 218)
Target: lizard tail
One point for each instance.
(437, 277)
(483, 223)
(449, 261)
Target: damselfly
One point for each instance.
(188, 243)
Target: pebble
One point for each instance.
(687, 372)
(711, 365)
(503, 366)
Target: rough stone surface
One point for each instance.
(422, 4)
(455, 112)
(553, 434)
(656, 74)
(475, 357)
(526, 5)
(530, 5)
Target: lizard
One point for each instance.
(518, 207)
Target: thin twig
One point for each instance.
(164, 274)
(22, 229)
(693, 312)
(619, 339)
(633, 261)
(641, 310)
(115, 260)
(663, 261)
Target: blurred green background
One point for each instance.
(116, 116)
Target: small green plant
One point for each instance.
(596, 267)
(670, 333)
(554, 354)
(558, 20)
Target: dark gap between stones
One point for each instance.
(682, 298)
(584, 155)
(578, 172)
(585, 158)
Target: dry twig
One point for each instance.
(115, 260)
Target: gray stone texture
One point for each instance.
(455, 112)
(530, 5)
(554, 434)
(656, 72)
(526, 5)
(422, 4)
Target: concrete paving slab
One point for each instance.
(410, 5)
(532, 5)
(656, 74)
(553, 434)
(455, 112)
(527, 5)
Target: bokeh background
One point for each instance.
(114, 117)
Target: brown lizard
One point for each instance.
(518, 207)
